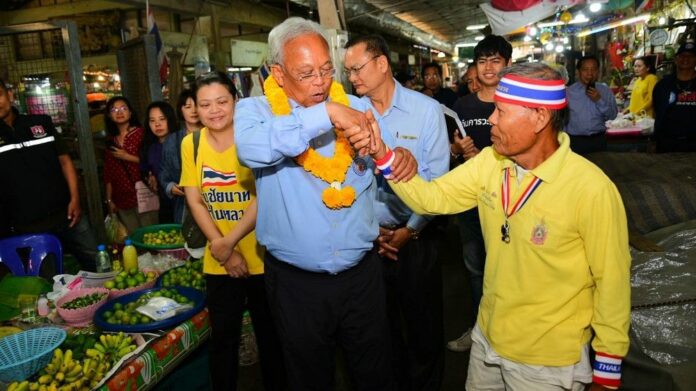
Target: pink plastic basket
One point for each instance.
(81, 316)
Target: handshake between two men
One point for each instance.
(364, 135)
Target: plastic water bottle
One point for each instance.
(129, 256)
(103, 260)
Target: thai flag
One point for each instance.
(162, 60)
(212, 177)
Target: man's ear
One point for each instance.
(278, 74)
(542, 120)
(383, 63)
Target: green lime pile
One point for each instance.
(190, 275)
(83, 301)
(129, 279)
(160, 237)
(126, 314)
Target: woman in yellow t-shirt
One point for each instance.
(221, 195)
(641, 96)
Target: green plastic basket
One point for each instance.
(25, 353)
(137, 237)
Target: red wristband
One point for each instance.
(384, 158)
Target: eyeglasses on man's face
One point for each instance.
(355, 71)
(122, 109)
(307, 78)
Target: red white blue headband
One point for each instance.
(527, 92)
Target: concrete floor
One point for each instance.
(457, 316)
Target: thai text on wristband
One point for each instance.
(384, 164)
(607, 370)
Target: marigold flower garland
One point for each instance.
(329, 169)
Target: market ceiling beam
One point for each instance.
(232, 11)
(235, 11)
(46, 12)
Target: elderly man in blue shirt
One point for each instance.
(591, 104)
(412, 273)
(316, 214)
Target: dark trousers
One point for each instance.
(225, 298)
(587, 144)
(473, 252)
(316, 312)
(414, 305)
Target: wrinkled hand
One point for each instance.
(390, 241)
(74, 212)
(220, 250)
(236, 266)
(359, 139)
(343, 117)
(593, 94)
(385, 249)
(178, 191)
(405, 165)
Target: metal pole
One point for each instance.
(88, 161)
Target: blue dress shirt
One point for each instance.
(415, 122)
(293, 223)
(586, 116)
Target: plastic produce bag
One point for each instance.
(158, 308)
(116, 232)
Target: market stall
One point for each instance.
(124, 329)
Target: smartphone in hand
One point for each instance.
(591, 85)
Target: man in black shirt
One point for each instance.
(40, 190)
(432, 79)
(491, 55)
(674, 100)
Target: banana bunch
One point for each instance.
(93, 370)
(111, 347)
(62, 373)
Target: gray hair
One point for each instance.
(540, 71)
(291, 28)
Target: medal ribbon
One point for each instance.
(505, 194)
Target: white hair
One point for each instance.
(291, 28)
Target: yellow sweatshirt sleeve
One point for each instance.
(451, 193)
(603, 226)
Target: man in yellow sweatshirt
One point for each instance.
(557, 269)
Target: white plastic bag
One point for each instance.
(62, 284)
(158, 308)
